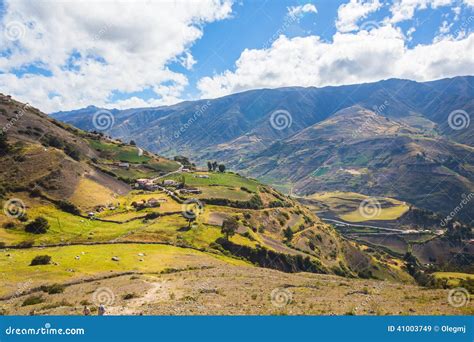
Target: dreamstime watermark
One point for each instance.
(465, 200)
(103, 120)
(458, 297)
(370, 297)
(101, 33)
(458, 119)
(287, 22)
(46, 330)
(369, 25)
(461, 30)
(14, 208)
(281, 119)
(281, 297)
(370, 208)
(103, 296)
(192, 208)
(22, 288)
(377, 110)
(14, 30)
(18, 115)
(200, 110)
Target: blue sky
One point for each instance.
(65, 55)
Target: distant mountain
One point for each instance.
(395, 133)
(357, 150)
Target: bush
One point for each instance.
(151, 216)
(23, 217)
(9, 225)
(4, 147)
(40, 260)
(51, 140)
(129, 296)
(35, 192)
(25, 244)
(39, 226)
(72, 152)
(52, 289)
(68, 207)
(32, 300)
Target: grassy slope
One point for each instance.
(75, 262)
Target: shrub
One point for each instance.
(52, 289)
(129, 296)
(9, 225)
(32, 300)
(35, 192)
(4, 147)
(69, 207)
(25, 244)
(288, 233)
(72, 152)
(151, 216)
(39, 226)
(51, 140)
(23, 217)
(40, 260)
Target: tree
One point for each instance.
(229, 227)
(214, 166)
(288, 233)
(39, 226)
(221, 168)
(40, 260)
(132, 142)
(209, 166)
(68, 207)
(3, 143)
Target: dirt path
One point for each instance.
(157, 291)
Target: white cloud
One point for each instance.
(469, 3)
(119, 46)
(349, 14)
(349, 58)
(405, 9)
(297, 11)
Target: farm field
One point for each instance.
(345, 206)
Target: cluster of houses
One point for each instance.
(123, 165)
(183, 189)
(151, 203)
(101, 208)
(146, 184)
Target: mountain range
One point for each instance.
(396, 138)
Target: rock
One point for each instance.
(77, 257)
(141, 254)
(115, 258)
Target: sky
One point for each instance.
(64, 55)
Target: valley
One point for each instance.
(92, 215)
(390, 138)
